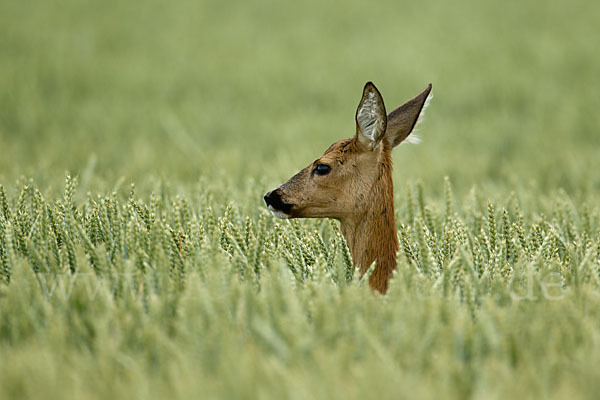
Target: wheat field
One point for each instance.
(137, 259)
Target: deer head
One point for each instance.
(352, 182)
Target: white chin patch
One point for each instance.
(277, 213)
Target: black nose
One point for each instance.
(273, 199)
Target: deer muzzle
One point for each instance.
(276, 205)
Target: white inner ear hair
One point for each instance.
(414, 138)
(369, 117)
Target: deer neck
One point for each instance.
(371, 235)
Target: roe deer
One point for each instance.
(352, 182)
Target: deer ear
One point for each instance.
(371, 120)
(403, 119)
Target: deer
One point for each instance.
(352, 183)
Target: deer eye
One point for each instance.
(322, 169)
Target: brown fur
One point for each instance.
(358, 191)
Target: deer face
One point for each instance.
(327, 187)
(338, 184)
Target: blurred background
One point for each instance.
(245, 93)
